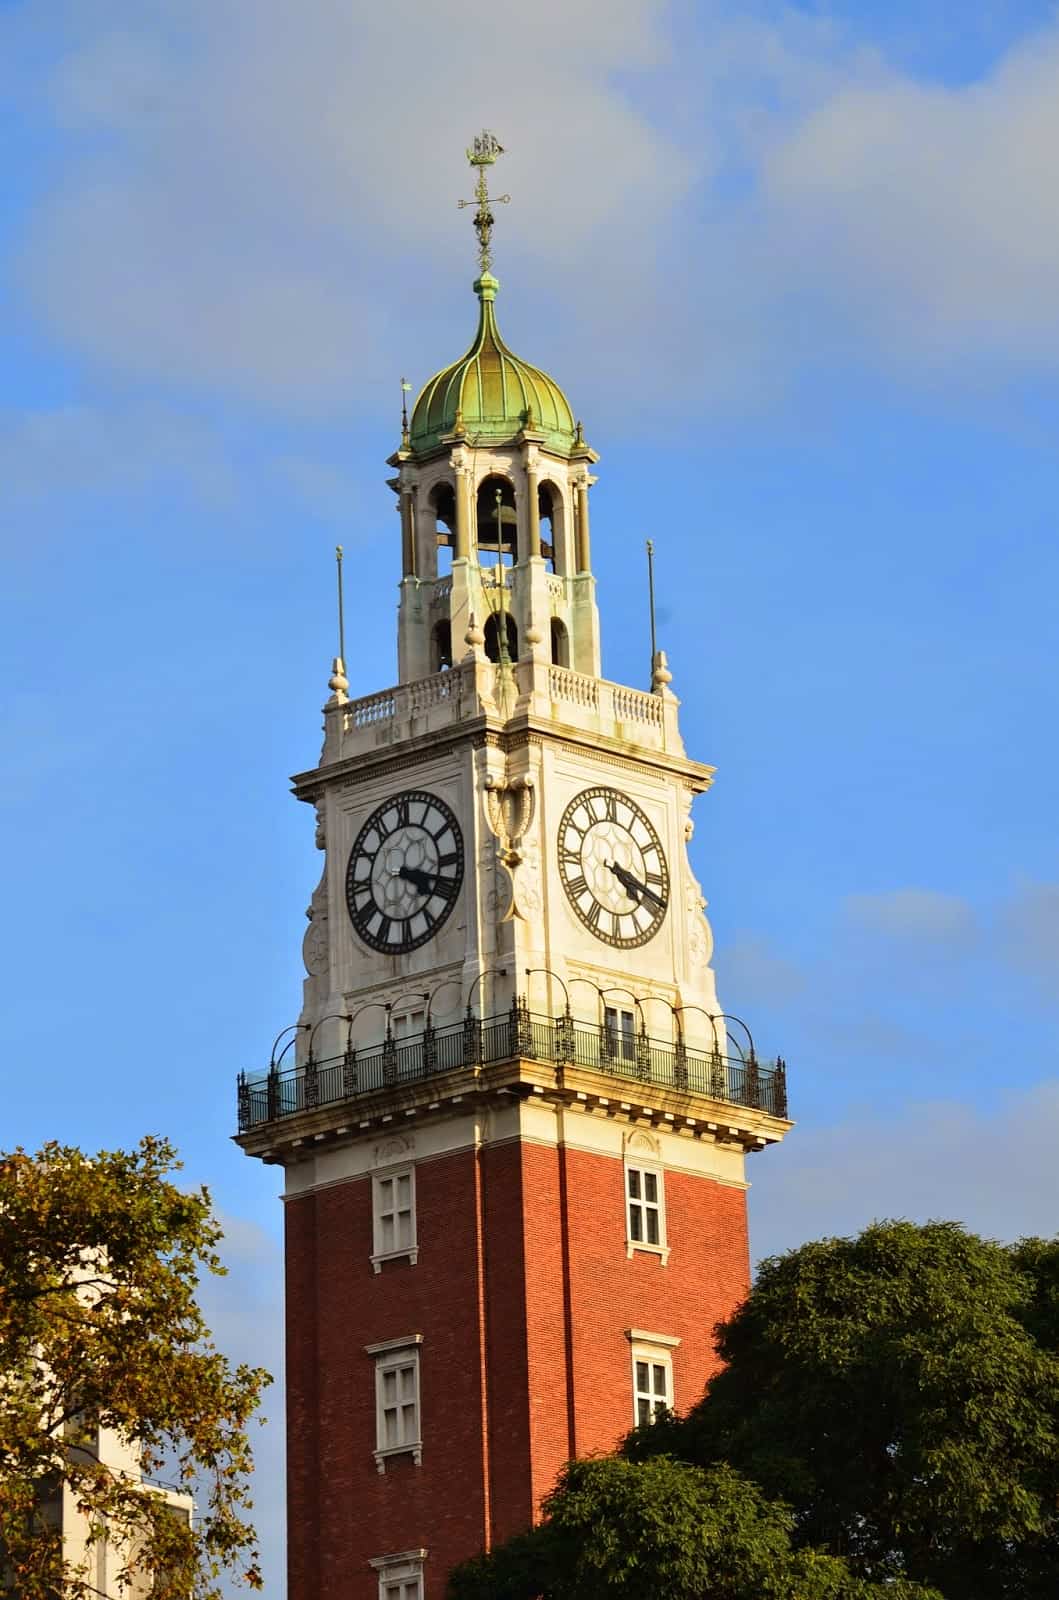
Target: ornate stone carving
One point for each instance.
(316, 945)
(510, 808)
(700, 934)
(390, 1150)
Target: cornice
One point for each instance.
(479, 732)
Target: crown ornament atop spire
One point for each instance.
(482, 154)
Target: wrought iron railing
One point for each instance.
(474, 1042)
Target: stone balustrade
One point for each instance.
(552, 693)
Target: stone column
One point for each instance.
(533, 513)
(463, 517)
(408, 550)
(584, 551)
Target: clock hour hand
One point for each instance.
(427, 882)
(423, 881)
(634, 888)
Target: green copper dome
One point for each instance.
(490, 395)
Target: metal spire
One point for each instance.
(651, 599)
(482, 154)
(341, 608)
(406, 389)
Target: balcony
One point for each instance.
(475, 1044)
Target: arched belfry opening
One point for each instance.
(497, 522)
(549, 511)
(560, 643)
(443, 506)
(441, 645)
(492, 636)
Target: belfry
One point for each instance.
(512, 1115)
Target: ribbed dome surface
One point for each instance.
(491, 393)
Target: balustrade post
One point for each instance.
(520, 1032)
(272, 1093)
(565, 1038)
(312, 1084)
(717, 1083)
(779, 1080)
(349, 1072)
(472, 1039)
(752, 1087)
(680, 1063)
(243, 1102)
(430, 1049)
(643, 1055)
(389, 1056)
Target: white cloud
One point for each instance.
(753, 967)
(922, 914)
(264, 188)
(78, 449)
(1029, 927)
(992, 1169)
(262, 199)
(927, 216)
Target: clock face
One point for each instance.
(613, 867)
(404, 872)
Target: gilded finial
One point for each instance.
(482, 154)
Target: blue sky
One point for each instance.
(796, 269)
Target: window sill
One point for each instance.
(413, 1450)
(659, 1250)
(411, 1255)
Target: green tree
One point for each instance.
(100, 1259)
(616, 1529)
(900, 1390)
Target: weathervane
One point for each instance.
(482, 154)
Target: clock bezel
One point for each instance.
(616, 941)
(376, 820)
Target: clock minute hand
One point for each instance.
(634, 888)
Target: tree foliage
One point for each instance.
(900, 1390)
(100, 1259)
(613, 1529)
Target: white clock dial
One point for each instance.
(405, 872)
(613, 867)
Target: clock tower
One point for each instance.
(513, 1117)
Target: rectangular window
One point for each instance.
(652, 1374)
(394, 1211)
(409, 1024)
(397, 1425)
(645, 1210)
(400, 1576)
(403, 1589)
(621, 1033)
(652, 1386)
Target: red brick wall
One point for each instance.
(542, 1232)
(341, 1510)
